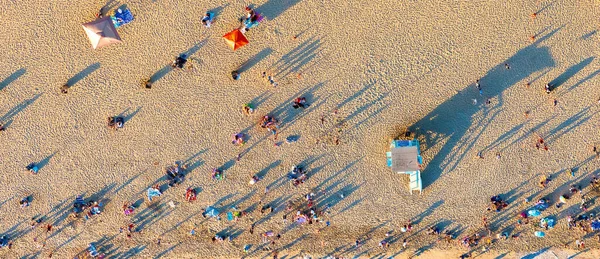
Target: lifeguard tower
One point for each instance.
(405, 157)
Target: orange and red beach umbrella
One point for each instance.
(235, 39)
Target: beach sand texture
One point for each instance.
(369, 68)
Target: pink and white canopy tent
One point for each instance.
(101, 32)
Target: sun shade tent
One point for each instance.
(235, 39)
(405, 157)
(101, 32)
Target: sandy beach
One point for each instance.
(369, 71)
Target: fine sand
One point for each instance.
(369, 68)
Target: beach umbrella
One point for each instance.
(235, 39)
(101, 32)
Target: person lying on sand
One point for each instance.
(128, 209)
(207, 19)
(267, 122)
(190, 194)
(238, 139)
(300, 102)
(33, 168)
(248, 109)
(217, 174)
(179, 62)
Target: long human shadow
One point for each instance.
(82, 74)
(589, 35)
(570, 124)
(17, 109)
(273, 8)
(260, 99)
(128, 115)
(230, 231)
(168, 68)
(570, 72)
(152, 214)
(101, 196)
(193, 161)
(168, 250)
(285, 115)
(5, 201)
(14, 76)
(346, 170)
(255, 60)
(131, 253)
(110, 4)
(417, 219)
(356, 94)
(536, 254)
(45, 161)
(455, 117)
(588, 77)
(160, 73)
(277, 204)
(544, 7)
(297, 58)
(263, 172)
(217, 10)
(129, 181)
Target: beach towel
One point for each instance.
(248, 23)
(539, 234)
(229, 216)
(92, 250)
(211, 211)
(534, 213)
(548, 221)
(541, 205)
(121, 17)
(153, 193)
(595, 225)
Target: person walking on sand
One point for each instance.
(548, 88)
